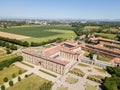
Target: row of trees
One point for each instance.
(8, 62)
(6, 24)
(25, 43)
(113, 82)
(102, 24)
(8, 45)
(46, 86)
(15, 41)
(10, 83)
(104, 27)
(33, 44)
(118, 37)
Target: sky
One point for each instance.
(60, 9)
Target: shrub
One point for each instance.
(20, 72)
(5, 79)
(1, 69)
(11, 83)
(19, 78)
(13, 75)
(2, 87)
(26, 75)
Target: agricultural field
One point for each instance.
(32, 82)
(91, 27)
(42, 33)
(105, 35)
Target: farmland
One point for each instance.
(105, 35)
(42, 33)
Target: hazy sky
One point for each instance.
(60, 9)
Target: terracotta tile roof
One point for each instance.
(61, 47)
(115, 60)
(71, 52)
(107, 49)
(71, 43)
(104, 39)
(50, 51)
(59, 61)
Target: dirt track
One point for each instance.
(13, 36)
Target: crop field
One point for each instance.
(42, 33)
(105, 35)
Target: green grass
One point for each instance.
(42, 33)
(83, 65)
(27, 64)
(100, 70)
(71, 80)
(77, 71)
(96, 78)
(102, 58)
(2, 53)
(86, 54)
(62, 88)
(90, 87)
(48, 73)
(32, 82)
(104, 35)
(91, 27)
(8, 71)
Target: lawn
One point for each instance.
(77, 71)
(90, 87)
(32, 82)
(62, 88)
(27, 64)
(42, 33)
(71, 80)
(7, 72)
(102, 58)
(100, 70)
(86, 54)
(48, 73)
(83, 65)
(96, 78)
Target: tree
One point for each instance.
(46, 86)
(8, 51)
(25, 43)
(2, 87)
(19, 78)
(13, 75)
(20, 72)
(5, 79)
(91, 56)
(11, 83)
